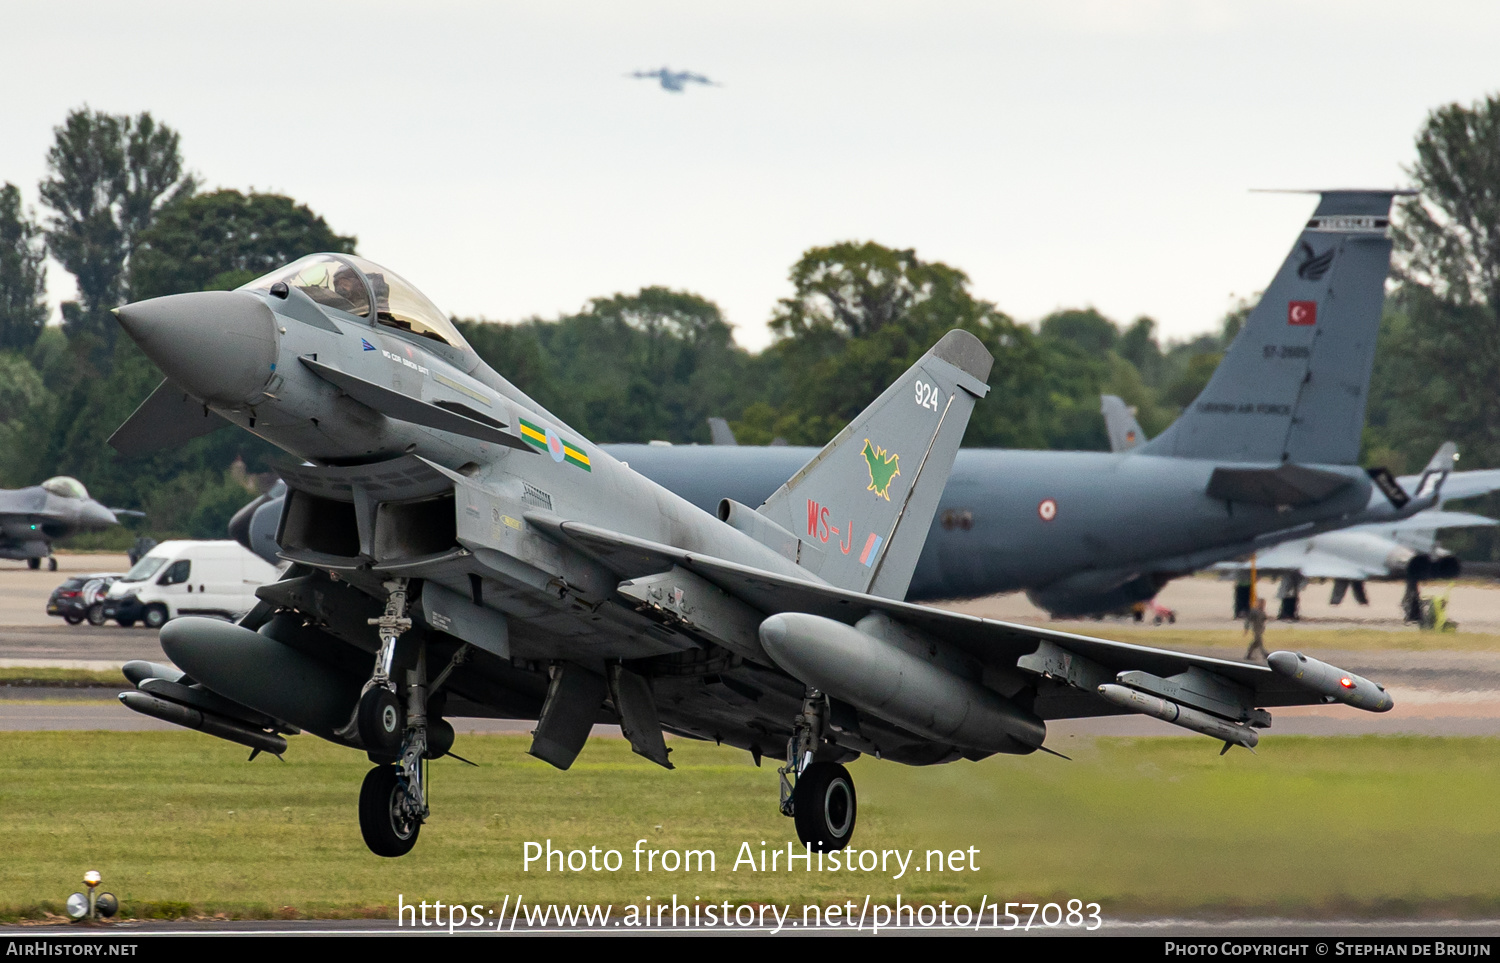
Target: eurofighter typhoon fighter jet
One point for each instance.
(1266, 453)
(460, 551)
(31, 519)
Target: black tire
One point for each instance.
(96, 614)
(384, 833)
(72, 619)
(381, 722)
(155, 616)
(51, 564)
(825, 807)
(34, 564)
(125, 623)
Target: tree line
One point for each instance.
(121, 212)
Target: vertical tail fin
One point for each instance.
(1120, 424)
(862, 506)
(1292, 386)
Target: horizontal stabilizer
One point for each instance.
(168, 418)
(1285, 485)
(1309, 563)
(403, 407)
(1435, 520)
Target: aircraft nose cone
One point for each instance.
(219, 346)
(99, 517)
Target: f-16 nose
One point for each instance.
(220, 346)
(97, 517)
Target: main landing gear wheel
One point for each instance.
(389, 830)
(381, 725)
(825, 806)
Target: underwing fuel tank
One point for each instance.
(891, 683)
(1188, 718)
(1331, 682)
(257, 671)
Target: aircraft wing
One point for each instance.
(22, 501)
(1313, 564)
(1470, 484)
(1435, 519)
(1080, 662)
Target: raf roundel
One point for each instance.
(1047, 509)
(554, 446)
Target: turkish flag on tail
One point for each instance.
(1302, 312)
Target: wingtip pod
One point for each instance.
(1331, 682)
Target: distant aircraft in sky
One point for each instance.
(674, 80)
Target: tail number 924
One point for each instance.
(928, 395)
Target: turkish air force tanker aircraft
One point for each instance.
(460, 551)
(1266, 453)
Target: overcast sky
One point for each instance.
(1062, 154)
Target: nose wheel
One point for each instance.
(387, 818)
(380, 722)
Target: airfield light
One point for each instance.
(78, 906)
(91, 878)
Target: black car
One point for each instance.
(82, 597)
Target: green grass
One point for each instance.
(180, 824)
(61, 678)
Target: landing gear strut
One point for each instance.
(392, 801)
(818, 795)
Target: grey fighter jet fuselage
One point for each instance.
(1264, 455)
(494, 562)
(31, 519)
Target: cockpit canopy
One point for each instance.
(350, 284)
(64, 487)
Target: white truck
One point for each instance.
(175, 578)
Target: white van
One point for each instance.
(188, 578)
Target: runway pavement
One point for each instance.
(1436, 692)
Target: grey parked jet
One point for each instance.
(1401, 550)
(460, 551)
(31, 519)
(1265, 454)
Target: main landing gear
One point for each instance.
(401, 738)
(817, 794)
